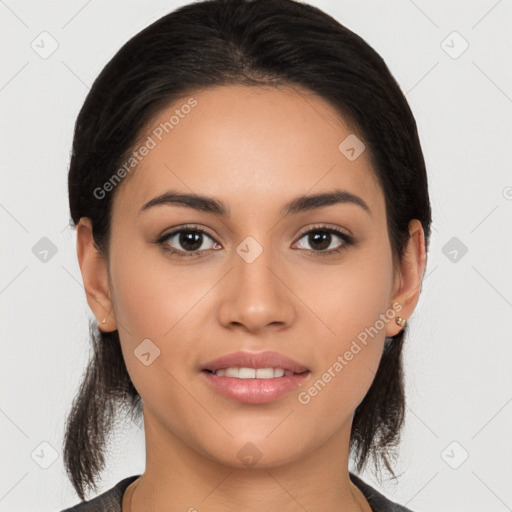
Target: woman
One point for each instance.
(252, 215)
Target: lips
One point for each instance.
(256, 360)
(245, 376)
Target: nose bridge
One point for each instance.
(253, 263)
(257, 295)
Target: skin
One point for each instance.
(254, 149)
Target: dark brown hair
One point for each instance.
(221, 42)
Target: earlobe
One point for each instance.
(93, 267)
(410, 274)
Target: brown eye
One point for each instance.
(321, 238)
(187, 241)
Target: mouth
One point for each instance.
(255, 378)
(253, 373)
(250, 365)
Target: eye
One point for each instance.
(187, 241)
(321, 237)
(189, 238)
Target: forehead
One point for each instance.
(230, 140)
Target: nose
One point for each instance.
(257, 295)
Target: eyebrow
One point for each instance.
(297, 205)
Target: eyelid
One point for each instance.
(185, 227)
(325, 227)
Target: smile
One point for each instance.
(253, 373)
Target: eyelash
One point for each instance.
(347, 240)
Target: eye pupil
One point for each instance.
(320, 236)
(190, 237)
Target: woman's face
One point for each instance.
(256, 280)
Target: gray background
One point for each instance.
(459, 349)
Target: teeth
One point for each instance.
(251, 373)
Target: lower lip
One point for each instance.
(255, 391)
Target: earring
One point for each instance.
(400, 321)
(104, 320)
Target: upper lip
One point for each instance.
(267, 359)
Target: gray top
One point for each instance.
(111, 500)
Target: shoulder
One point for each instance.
(377, 501)
(109, 501)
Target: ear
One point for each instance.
(93, 267)
(407, 284)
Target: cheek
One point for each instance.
(151, 295)
(351, 303)
(161, 302)
(350, 297)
